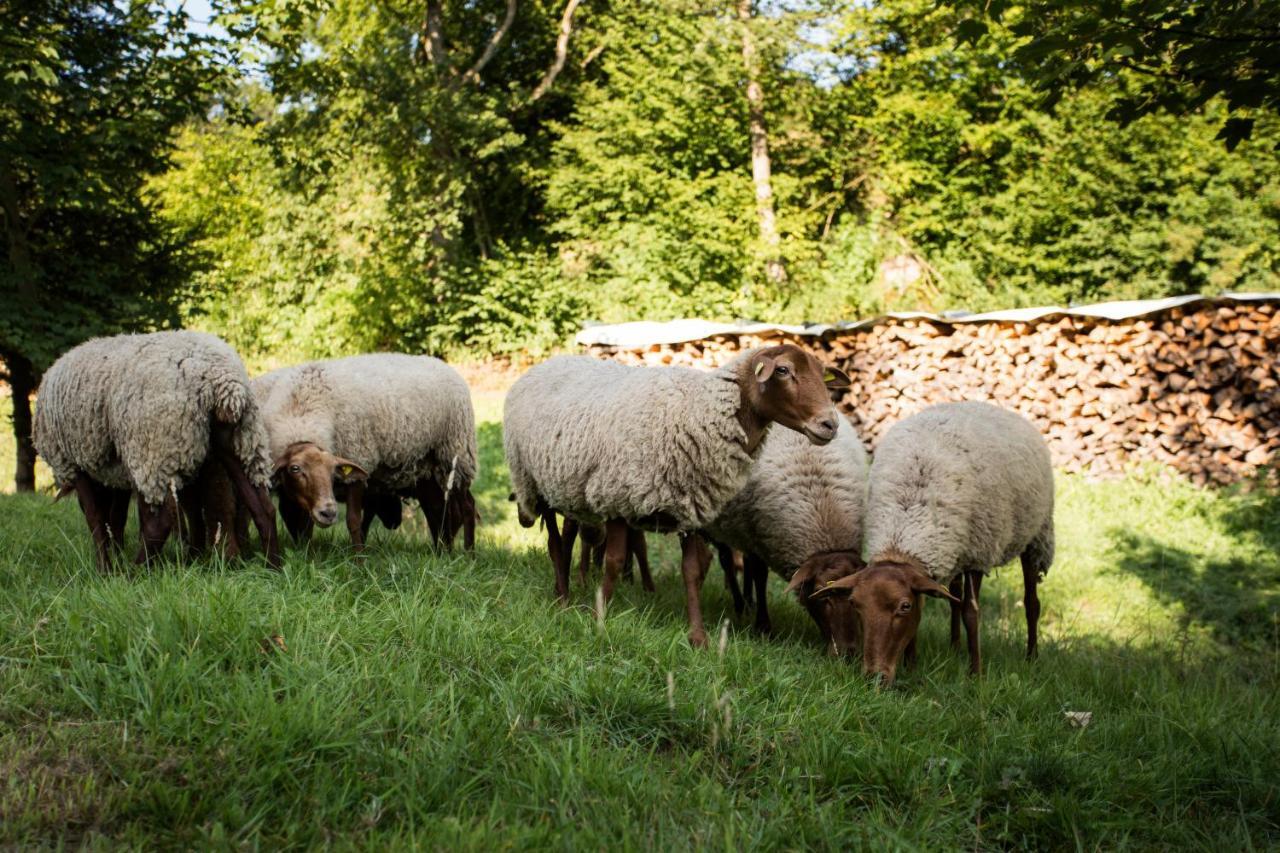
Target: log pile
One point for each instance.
(1194, 388)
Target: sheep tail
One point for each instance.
(230, 399)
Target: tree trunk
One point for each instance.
(22, 382)
(761, 168)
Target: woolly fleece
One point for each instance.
(799, 500)
(133, 411)
(597, 440)
(400, 417)
(962, 487)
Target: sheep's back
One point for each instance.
(599, 440)
(961, 486)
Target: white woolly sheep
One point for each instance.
(656, 448)
(801, 514)
(955, 490)
(386, 425)
(144, 413)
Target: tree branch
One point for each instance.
(433, 34)
(562, 52)
(473, 73)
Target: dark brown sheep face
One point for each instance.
(794, 390)
(833, 614)
(886, 600)
(306, 474)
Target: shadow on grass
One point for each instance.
(1236, 598)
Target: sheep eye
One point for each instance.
(782, 370)
(295, 469)
(904, 607)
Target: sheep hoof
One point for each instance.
(698, 638)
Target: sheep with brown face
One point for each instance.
(653, 448)
(955, 490)
(371, 429)
(800, 513)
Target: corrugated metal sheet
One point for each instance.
(643, 334)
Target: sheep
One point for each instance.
(955, 490)
(146, 414)
(801, 514)
(385, 426)
(656, 448)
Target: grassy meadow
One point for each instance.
(416, 699)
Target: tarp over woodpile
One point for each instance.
(643, 334)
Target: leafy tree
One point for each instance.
(1179, 54)
(92, 91)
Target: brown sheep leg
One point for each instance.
(431, 499)
(637, 545)
(190, 521)
(756, 573)
(615, 554)
(296, 520)
(89, 494)
(970, 614)
(555, 550)
(568, 536)
(956, 588)
(255, 498)
(909, 654)
(470, 514)
(117, 515)
(355, 515)
(692, 567)
(155, 521)
(1031, 602)
(731, 563)
(584, 560)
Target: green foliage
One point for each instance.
(92, 92)
(1179, 55)
(445, 701)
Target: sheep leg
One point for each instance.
(956, 589)
(970, 614)
(756, 573)
(731, 562)
(691, 566)
(155, 522)
(555, 549)
(469, 520)
(117, 515)
(88, 494)
(256, 498)
(568, 536)
(1031, 601)
(191, 519)
(431, 498)
(637, 545)
(584, 561)
(355, 515)
(909, 654)
(615, 554)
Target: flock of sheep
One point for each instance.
(752, 458)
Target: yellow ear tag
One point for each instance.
(828, 376)
(346, 470)
(759, 367)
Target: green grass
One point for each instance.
(444, 700)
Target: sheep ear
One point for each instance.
(845, 583)
(925, 585)
(347, 471)
(764, 368)
(804, 573)
(834, 377)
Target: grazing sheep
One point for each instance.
(954, 491)
(801, 514)
(145, 414)
(656, 448)
(385, 426)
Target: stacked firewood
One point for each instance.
(1192, 388)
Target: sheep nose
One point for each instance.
(326, 515)
(828, 424)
